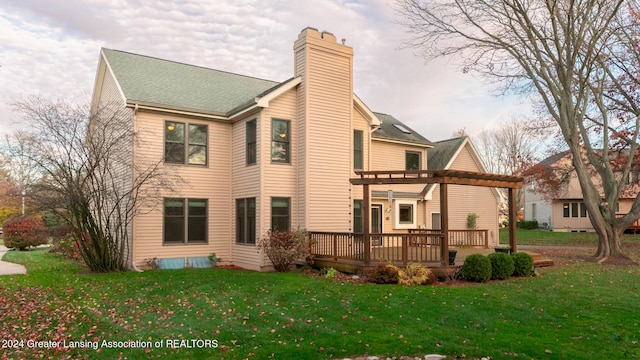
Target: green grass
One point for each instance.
(584, 311)
(544, 237)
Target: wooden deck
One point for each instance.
(346, 251)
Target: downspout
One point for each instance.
(133, 158)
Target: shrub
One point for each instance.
(66, 245)
(21, 232)
(501, 265)
(384, 274)
(416, 274)
(331, 273)
(477, 268)
(152, 263)
(527, 225)
(284, 247)
(523, 264)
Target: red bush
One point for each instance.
(284, 247)
(21, 232)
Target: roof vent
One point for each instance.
(402, 128)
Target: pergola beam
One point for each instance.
(454, 177)
(437, 180)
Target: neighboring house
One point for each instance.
(564, 209)
(257, 154)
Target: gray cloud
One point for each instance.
(52, 48)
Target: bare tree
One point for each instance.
(509, 149)
(578, 57)
(91, 179)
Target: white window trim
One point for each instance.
(396, 214)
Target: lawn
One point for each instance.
(582, 311)
(545, 237)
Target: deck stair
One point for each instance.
(538, 260)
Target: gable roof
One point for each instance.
(389, 131)
(171, 85)
(152, 81)
(441, 156)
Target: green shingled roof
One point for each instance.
(442, 153)
(389, 131)
(149, 80)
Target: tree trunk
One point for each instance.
(608, 241)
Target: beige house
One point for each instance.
(465, 201)
(564, 210)
(257, 154)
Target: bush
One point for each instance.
(66, 246)
(527, 225)
(523, 264)
(477, 268)
(21, 232)
(501, 265)
(416, 274)
(385, 274)
(284, 247)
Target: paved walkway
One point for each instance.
(7, 268)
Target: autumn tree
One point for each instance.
(509, 149)
(91, 181)
(578, 58)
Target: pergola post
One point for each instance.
(513, 218)
(366, 223)
(444, 224)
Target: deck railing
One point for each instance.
(419, 245)
(397, 248)
(337, 245)
(461, 237)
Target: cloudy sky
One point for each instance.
(51, 48)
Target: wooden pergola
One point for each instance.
(443, 178)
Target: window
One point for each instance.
(280, 214)
(402, 128)
(280, 141)
(185, 221)
(574, 209)
(412, 160)
(251, 142)
(405, 213)
(357, 150)
(357, 216)
(246, 221)
(176, 135)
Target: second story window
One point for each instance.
(280, 142)
(357, 150)
(412, 160)
(185, 143)
(252, 154)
